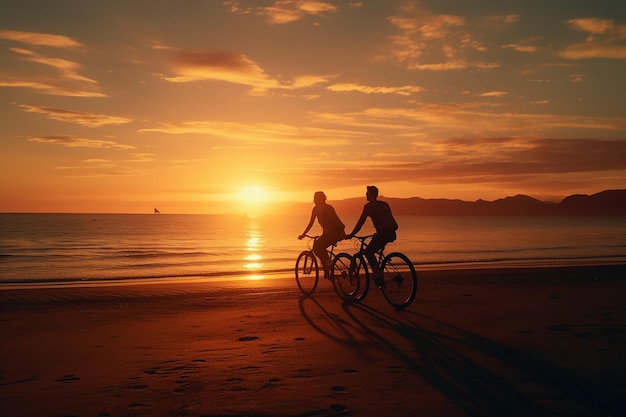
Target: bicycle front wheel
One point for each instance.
(359, 272)
(307, 272)
(399, 284)
(346, 284)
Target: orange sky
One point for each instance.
(208, 106)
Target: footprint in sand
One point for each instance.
(68, 378)
(137, 405)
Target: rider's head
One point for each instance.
(319, 197)
(372, 193)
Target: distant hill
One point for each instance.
(605, 203)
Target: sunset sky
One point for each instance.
(203, 106)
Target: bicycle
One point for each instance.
(308, 272)
(398, 283)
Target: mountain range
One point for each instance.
(605, 203)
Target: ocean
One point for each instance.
(36, 248)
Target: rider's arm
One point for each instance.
(358, 225)
(308, 226)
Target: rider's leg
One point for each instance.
(378, 242)
(319, 248)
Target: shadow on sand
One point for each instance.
(478, 375)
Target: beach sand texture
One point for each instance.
(497, 342)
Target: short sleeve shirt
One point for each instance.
(380, 213)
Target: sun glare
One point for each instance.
(253, 198)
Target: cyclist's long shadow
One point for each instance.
(335, 322)
(442, 359)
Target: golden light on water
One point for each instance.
(253, 260)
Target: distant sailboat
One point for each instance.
(156, 211)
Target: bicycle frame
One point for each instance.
(398, 281)
(307, 270)
(364, 242)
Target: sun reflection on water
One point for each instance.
(253, 260)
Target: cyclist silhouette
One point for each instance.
(333, 230)
(384, 223)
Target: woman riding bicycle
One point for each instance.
(384, 223)
(333, 230)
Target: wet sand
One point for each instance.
(493, 342)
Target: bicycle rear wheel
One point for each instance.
(346, 285)
(399, 284)
(359, 271)
(307, 272)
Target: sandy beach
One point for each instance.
(493, 342)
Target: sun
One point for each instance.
(253, 198)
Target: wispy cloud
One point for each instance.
(78, 142)
(258, 132)
(286, 11)
(194, 65)
(606, 39)
(40, 39)
(503, 160)
(235, 68)
(68, 82)
(405, 90)
(49, 86)
(494, 94)
(81, 118)
(436, 42)
(521, 47)
(472, 118)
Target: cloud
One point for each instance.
(304, 81)
(494, 94)
(78, 142)
(405, 90)
(503, 160)
(473, 118)
(220, 66)
(68, 83)
(287, 11)
(520, 155)
(194, 65)
(258, 132)
(435, 42)
(520, 47)
(40, 39)
(506, 19)
(606, 39)
(592, 25)
(48, 86)
(80, 118)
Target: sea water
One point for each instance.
(78, 247)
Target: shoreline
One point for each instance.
(453, 269)
(516, 341)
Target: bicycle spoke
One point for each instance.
(359, 271)
(307, 272)
(346, 284)
(399, 284)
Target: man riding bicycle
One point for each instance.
(384, 223)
